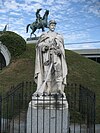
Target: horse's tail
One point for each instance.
(27, 28)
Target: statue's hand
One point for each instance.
(58, 52)
(45, 48)
(51, 42)
(46, 63)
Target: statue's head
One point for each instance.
(52, 22)
(52, 25)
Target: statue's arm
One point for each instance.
(42, 43)
(60, 45)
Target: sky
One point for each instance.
(78, 21)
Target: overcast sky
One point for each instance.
(77, 20)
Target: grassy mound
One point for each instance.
(14, 42)
(80, 70)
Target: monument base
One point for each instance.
(32, 40)
(48, 114)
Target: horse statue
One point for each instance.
(39, 25)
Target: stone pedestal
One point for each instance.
(48, 114)
(32, 40)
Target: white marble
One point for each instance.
(50, 64)
(47, 115)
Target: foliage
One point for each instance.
(14, 42)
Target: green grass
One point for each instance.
(80, 70)
(85, 72)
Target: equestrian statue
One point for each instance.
(40, 23)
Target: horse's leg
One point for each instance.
(31, 35)
(35, 28)
(43, 29)
(35, 35)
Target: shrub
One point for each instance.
(14, 42)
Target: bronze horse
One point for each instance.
(43, 24)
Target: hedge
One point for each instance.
(14, 42)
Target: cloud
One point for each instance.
(30, 1)
(61, 1)
(15, 14)
(11, 5)
(30, 8)
(95, 10)
(47, 2)
(76, 37)
(20, 7)
(92, 7)
(1, 3)
(2, 10)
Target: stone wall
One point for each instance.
(5, 52)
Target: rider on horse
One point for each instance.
(38, 16)
(40, 23)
